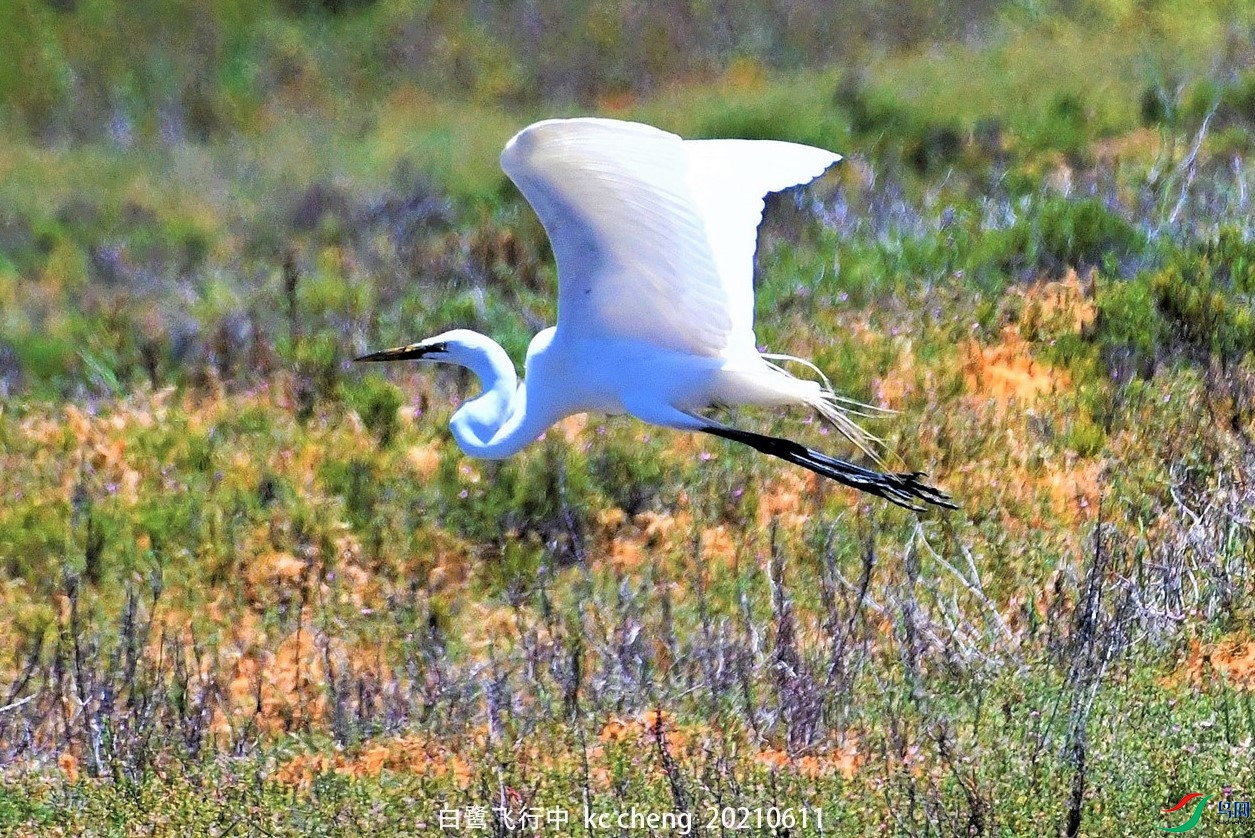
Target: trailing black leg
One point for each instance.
(902, 488)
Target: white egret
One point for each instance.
(654, 238)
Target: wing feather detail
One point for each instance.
(654, 236)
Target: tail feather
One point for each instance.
(837, 409)
(903, 488)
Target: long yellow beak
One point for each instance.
(403, 353)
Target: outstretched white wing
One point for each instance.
(654, 236)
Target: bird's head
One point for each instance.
(476, 423)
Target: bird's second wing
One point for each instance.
(654, 236)
(728, 180)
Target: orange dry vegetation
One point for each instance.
(646, 728)
(844, 760)
(1049, 497)
(279, 690)
(1074, 487)
(1007, 372)
(640, 735)
(68, 763)
(424, 459)
(1067, 299)
(630, 544)
(1012, 393)
(1231, 661)
(411, 754)
(787, 498)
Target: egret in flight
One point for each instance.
(654, 238)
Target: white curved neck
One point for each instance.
(495, 424)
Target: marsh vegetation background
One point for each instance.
(247, 588)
